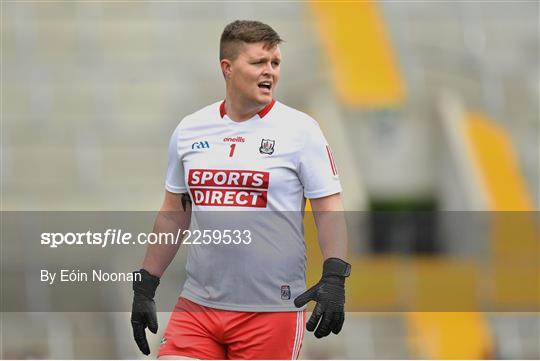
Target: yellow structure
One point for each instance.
(515, 249)
(450, 335)
(494, 156)
(364, 69)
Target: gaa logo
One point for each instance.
(285, 292)
(267, 146)
(200, 145)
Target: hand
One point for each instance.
(143, 311)
(329, 294)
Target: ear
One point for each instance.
(226, 67)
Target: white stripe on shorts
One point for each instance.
(297, 337)
(302, 328)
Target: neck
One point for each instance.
(238, 111)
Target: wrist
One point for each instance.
(336, 267)
(145, 283)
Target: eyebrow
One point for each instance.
(264, 58)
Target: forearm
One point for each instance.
(332, 234)
(331, 226)
(159, 256)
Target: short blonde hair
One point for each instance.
(245, 31)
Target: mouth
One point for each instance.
(266, 86)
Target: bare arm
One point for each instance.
(170, 218)
(329, 292)
(331, 227)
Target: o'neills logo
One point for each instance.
(234, 188)
(238, 139)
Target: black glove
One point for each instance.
(143, 311)
(329, 294)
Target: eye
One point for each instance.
(275, 63)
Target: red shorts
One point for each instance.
(201, 332)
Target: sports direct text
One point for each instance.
(234, 188)
(112, 237)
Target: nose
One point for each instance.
(269, 69)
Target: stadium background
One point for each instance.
(429, 106)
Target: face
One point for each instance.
(253, 75)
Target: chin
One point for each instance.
(259, 99)
(265, 99)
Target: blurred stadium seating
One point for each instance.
(428, 106)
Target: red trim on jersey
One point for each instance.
(267, 108)
(331, 158)
(222, 111)
(261, 114)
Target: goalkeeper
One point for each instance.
(256, 161)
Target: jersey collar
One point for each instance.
(261, 114)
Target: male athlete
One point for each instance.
(246, 165)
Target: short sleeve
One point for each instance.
(317, 167)
(175, 182)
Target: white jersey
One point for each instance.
(265, 167)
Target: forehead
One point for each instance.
(259, 50)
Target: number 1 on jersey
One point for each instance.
(233, 146)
